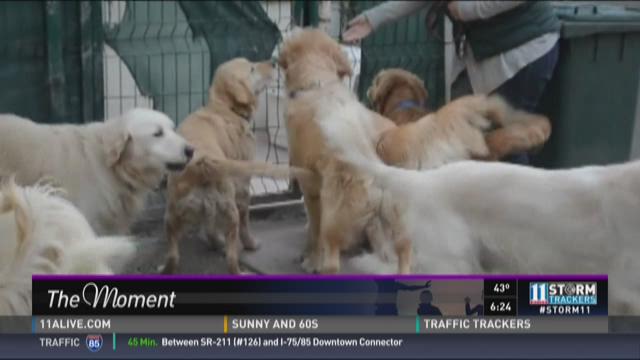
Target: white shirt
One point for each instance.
(487, 75)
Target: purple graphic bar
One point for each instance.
(155, 277)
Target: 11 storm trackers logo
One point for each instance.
(563, 293)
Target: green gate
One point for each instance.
(51, 60)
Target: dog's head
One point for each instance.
(312, 55)
(238, 82)
(391, 87)
(146, 141)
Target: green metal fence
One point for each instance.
(68, 61)
(51, 60)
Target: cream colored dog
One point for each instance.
(341, 205)
(41, 233)
(477, 217)
(209, 193)
(106, 168)
(475, 126)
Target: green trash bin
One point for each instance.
(593, 98)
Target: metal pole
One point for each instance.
(305, 13)
(55, 62)
(91, 60)
(314, 13)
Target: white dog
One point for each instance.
(106, 168)
(42, 233)
(476, 217)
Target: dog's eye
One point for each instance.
(253, 68)
(158, 133)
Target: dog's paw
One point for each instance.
(169, 267)
(309, 266)
(330, 270)
(538, 135)
(385, 256)
(250, 243)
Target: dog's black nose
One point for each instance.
(188, 152)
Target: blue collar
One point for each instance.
(407, 104)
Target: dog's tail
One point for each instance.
(497, 110)
(210, 167)
(104, 255)
(384, 176)
(15, 278)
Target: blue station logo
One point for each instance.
(563, 293)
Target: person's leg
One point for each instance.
(524, 90)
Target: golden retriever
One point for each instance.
(42, 233)
(106, 168)
(210, 191)
(398, 95)
(473, 126)
(339, 201)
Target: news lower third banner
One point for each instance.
(280, 317)
(321, 304)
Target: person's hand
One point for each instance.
(467, 300)
(453, 10)
(357, 29)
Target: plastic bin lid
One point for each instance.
(589, 19)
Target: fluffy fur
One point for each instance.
(41, 233)
(106, 168)
(211, 191)
(398, 95)
(474, 126)
(340, 203)
(476, 217)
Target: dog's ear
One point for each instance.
(283, 60)
(373, 92)
(10, 201)
(291, 47)
(239, 93)
(380, 90)
(419, 89)
(116, 144)
(343, 66)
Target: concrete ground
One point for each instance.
(281, 232)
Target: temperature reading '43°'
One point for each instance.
(501, 288)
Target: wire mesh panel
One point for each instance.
(162, 54)
(156, 56)
(269, 125)
(269, 120)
